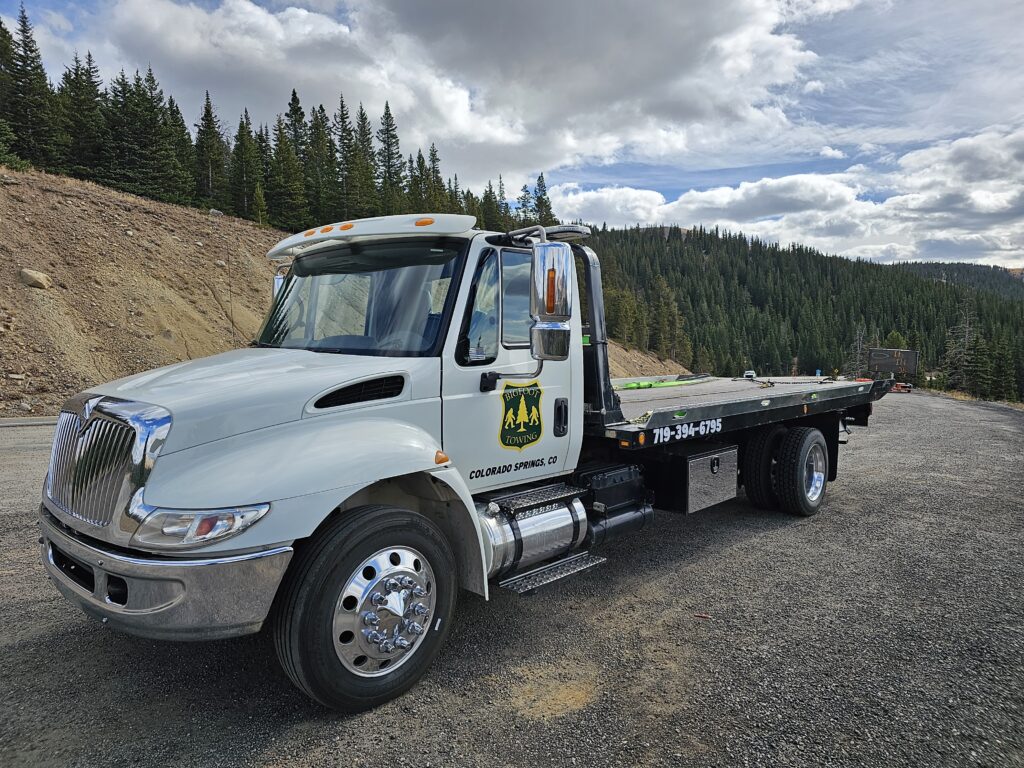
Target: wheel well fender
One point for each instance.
(441, 496)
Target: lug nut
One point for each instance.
(378, 599)
(402, 644)
(419, 592)
(415, 628)
(419, 609)
(371, 619)
(386, 646)
(407, 582)
(373, 636)
(391, 585)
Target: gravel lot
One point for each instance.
(888, 630)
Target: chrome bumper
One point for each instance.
(165, 599)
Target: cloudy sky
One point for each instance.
(881, 129)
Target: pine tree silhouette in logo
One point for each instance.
(523, 416)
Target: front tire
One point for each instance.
(802, 471)
(366, 607)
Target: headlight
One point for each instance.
(179, 528)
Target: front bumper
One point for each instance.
(166, 598)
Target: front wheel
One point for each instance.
(802, 471)
(366, 607)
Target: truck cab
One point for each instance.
(427, 408)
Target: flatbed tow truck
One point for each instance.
(426, 408)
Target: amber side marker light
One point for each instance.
(641, 438)
(424, 222)
(549, 298)
(441, 457)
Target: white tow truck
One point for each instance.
(426, 408)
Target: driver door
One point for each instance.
(522, 429)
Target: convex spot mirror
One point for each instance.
(550, 300)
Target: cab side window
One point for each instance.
(515, 299)
(478, 341)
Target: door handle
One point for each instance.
(561, 428)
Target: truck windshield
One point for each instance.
(386, 298)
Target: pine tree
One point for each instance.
(959, 341)
(856, 363)
(120, 152)
(246, 170)
(490, 212)
(895, 340)
(84, 122)
(295, 124)
(30, 108)
(437, 197)
(361, 191)
(211, 159)
(287, 198)
(259, 205)
(504, 209)
(344, 136)
(526, 210)
(542, 204)
(1004, 386)
(7, 157)
(6, 66)
(323, 190)
(418, 190)
(978, 380)
(156, 172)
(390, 166)
(182, 177)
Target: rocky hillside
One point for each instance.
(96, 284)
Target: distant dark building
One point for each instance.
(900, 362)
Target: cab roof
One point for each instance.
(429, 224)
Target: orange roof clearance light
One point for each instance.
(549, 297)
(346, 226)
(326, 229)
(309, 233)
(424, 222)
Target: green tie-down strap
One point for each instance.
(654, 384)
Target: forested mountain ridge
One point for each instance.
(716, 302)
(999, 280)
(722, 303)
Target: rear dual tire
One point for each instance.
(786, 468)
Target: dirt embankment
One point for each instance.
(132, 284)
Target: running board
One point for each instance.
(522, 583)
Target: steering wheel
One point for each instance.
(409, 340)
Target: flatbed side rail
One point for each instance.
(693, 422)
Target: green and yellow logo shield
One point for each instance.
(520, 415)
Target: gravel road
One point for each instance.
(886, 631)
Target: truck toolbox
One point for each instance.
(710, 478)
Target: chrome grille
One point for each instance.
(91, 467)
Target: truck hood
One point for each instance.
(249, 389)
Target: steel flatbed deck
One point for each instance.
(661, 410)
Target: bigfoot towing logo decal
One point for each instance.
(520, 416)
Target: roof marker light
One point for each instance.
(424, 222)
(325, 230)
(347, 225)
(309, 233)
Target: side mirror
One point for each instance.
(550, 300)
(279, 276)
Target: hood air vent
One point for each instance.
(375, 389)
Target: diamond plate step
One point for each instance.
(537, 497)
(546, 574)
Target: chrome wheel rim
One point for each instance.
(814, 473)
(383, 610)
